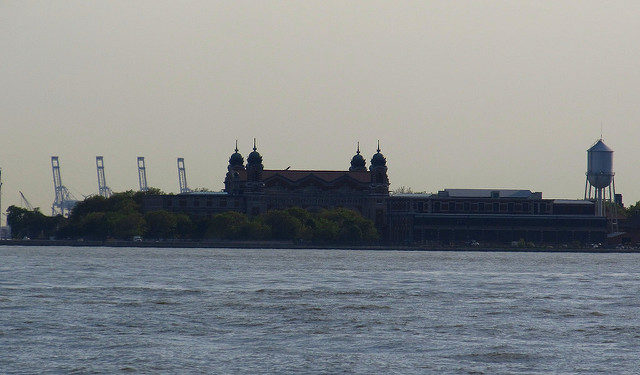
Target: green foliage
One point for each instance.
(184, 226)
(633, 211)
(161, 224)
(127, 225)
(120, 217)
(329, 226)
(226, 225)
(284, 226)
(100, 218)
(32, 224)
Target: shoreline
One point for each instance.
(289, 245)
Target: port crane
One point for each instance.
(182, 177)
(103, 189)
(64, 200)
(142, 174)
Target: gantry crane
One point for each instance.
(142, 174)
(103, 189)
(64, 200)
(182, 177)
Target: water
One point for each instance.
(106, 310)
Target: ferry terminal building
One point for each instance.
(451, 215)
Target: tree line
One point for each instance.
(120, 217)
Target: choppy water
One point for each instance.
(112, 310)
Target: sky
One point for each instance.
(461, 94)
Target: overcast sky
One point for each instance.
(461, 94)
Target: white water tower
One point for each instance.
(599, 175)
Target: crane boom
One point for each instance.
(27, 205)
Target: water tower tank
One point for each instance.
(599, 165)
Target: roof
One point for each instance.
(204, 193)
(599, 146)
(486, 193)
(327, 176)
(573, 201)
(411, 195)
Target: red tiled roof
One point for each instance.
(327, 176)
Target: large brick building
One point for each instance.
(252, 189)
(450, 215)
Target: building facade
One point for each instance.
(251, 189)
(492, 216)
(451, 215)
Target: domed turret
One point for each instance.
(254, 158)
(358, 162)
(236, 161)
(378, 168)
(378, 160)
(254, 167)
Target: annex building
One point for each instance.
(451, 215)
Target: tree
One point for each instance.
(95, 226)
(402, 190)
(184, 226)
(161, 224)
(127, 225)
(32, 224)
(284, 226)
(226, 225)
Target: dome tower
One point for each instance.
(254, 165)
(236, 161)
(378, 168)
(232, 183)
(358, 162)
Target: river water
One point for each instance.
(112, 310)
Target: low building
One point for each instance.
(455, 215)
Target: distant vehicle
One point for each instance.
(137, 238)
(474, 243)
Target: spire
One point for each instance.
(358, 151)
(378, 145)
(236, 145)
